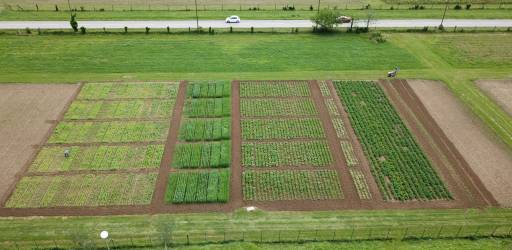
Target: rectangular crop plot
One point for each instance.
(83, 190)
(271, 154)
(51, 159)
(126, 131)
(208, 107)
(198, 187)
(118, 109)
(277, 107)
(205, 129)
(291, 185)
(255, 129)
(202, 155)
(208, 89)
(128, 90)
(274, 89)
(400, 167)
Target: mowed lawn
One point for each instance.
(159, 53)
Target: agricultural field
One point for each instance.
(291, 185)
(83, 190)
(112, 153)
(204, 142)
(277, 107)
(198, 187)
(398, 164)
(274, 89)
(261, 129)
(120, 109)
(50, 158)
(273, 154)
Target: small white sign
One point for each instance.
(104, 234)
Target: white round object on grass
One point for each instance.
(104, 234)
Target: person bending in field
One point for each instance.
(66, 153)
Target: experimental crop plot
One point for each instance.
(273, 154)
(83, 190)
(399, 166)
(198, 187)
(204, 141)
(274, 89)
(262, 129)
(95, 91)
(277, 107)
(120, 109)
(50, 158)
(291, 185)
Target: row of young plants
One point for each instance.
(277, 107)
(208, 107)
(202, 155)
(198, 187)
(274, 89)
(293, 153)
(351, 160)
(83, 190)
(120, 109)
(291, 185)
(50, 158)
(129, 90)
(118, 131)
(200, 129)
(208, 89)
(401, 169)
(258, 129)
(324, 89)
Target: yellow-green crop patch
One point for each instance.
(128, 90)
(258, 129)
(120, 109)
(51, 158)
(277, 107)
(125, 131)
(83, 190)
(272, 154)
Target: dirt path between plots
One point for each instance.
(490, 160)
(500, 91)
(28, 112)
(158, 201)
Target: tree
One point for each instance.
(325, 20)
(73, 22)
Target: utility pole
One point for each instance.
(444, 14)
(197, 17)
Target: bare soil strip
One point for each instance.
(24, 114)
(489, 159)
(500, 91)
(158, 201)
(236, 196)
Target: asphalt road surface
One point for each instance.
(185, 24)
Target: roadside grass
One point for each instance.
(403, 13)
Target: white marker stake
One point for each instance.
(104, 235)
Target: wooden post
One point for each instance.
(279, 236)
(298, 236)
(370, 234)
(352, 234)
(458, 232)
(316, 234)
(333, 235)
(387, 235)
(188, 240)
(494, 231)
(131, 240)
(224, 236)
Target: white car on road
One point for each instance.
(233, 19)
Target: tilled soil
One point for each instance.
(28, 112)
(500, 91)
(490, 160)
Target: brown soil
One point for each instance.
(25, 111)
(490, 160)
(500, 91)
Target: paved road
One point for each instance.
(251, 23)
